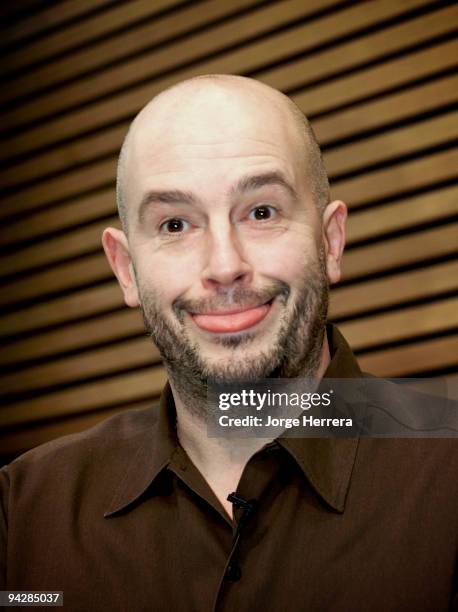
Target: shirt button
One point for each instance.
(233, 572)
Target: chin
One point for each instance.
(239, 365)
(236, 346)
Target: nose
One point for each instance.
(225, 260)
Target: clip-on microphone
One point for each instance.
(248, 507)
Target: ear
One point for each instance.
(334, 230)
(116, 249)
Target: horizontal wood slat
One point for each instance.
(392, 144)
(378, 79)
(397, 179)
(117, 390)
(89, 269)
(413, 359)
(57, 15)
(249, 58)
(389, 108)
(108, 328)
(81, 209)
(71, 244)
(67, 185)
(147, 33)
(405, 323)
(360, 51)
(83, 150)
(88, 302)
(402, 214)
(122, 14)
(152, 63)
(139, 352)
(394, 289)
(402, 251)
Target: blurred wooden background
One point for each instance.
(376, 77)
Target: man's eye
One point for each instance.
(262, 213)
(174, 226)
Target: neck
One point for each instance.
(221, 461)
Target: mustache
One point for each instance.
(233, 296)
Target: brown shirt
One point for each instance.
(118, 518)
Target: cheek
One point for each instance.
(286, 256)
(168, 274)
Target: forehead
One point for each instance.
(214, 130)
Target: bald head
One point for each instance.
(211, 107)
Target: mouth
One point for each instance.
(232, 320)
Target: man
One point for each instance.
(228, 247)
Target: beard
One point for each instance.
(295, 350)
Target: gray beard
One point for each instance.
(295, 351)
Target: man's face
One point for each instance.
(226, 243)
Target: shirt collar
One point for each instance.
(147, 454)
(327, 463)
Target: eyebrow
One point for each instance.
(253, 182)
(248, 183)
(172, 196)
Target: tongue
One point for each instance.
(231, 322)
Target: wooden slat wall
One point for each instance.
(377, 79)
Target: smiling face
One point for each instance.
(224, 237)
